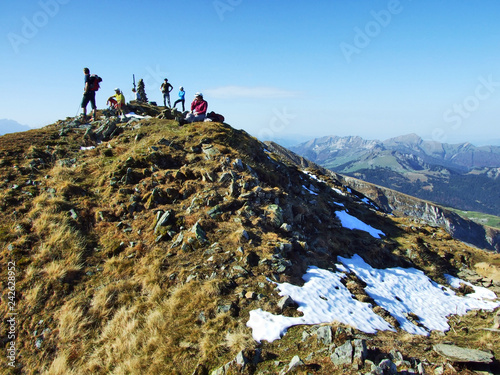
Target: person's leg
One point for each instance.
(182, 101)
(168, 98)
(94, 107)
(199, 118)
(85, 101)
(164, 99)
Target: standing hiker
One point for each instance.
(91, 86)
(165, 89)
(181, 100)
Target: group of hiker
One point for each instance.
(198, 111)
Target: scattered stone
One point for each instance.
(38, 343)
(457, 354)
(250, 295)
(342, 355)
(200, 234)
(275, 215)
(294, 363)
(496, 321)
(238, 164)
(210, 151)
(325, 335)
(230, 308)
(179, 240)
(215, 212)
(163, 220)
(285, 302)
(73, 214)
(388, 367)
(360, 351)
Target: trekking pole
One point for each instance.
(78, 110)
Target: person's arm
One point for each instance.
(86, 86)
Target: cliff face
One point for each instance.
(404, 205)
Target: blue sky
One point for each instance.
(277, 69)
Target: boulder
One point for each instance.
(342, 355)
(457, 354)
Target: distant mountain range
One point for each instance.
(461, 176)
(11, 126)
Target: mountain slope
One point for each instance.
(461, 176)
(147, 253)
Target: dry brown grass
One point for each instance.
(239, 339)
(130, 311)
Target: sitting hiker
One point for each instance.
(198, 109)
(117, 102)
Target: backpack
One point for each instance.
(94, 81)
(215, 117)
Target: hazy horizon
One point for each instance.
(377, 69)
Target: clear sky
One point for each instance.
(277, 69)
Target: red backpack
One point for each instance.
(94, 81)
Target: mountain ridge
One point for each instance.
(11, 126)
(461, 176)
(143, 246)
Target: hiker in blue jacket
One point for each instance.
(182, 94)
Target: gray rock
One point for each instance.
(200, 234)
(39, 343)
(215, 212)
(342, 355)
(388, 367)
(163, 219)
(294, 363)
(178, 241)
(285, 301)
(458, 354)
(219, 371)
(325, 335)
(225, 177)
(73, 214)
(238, 164)
(360, 351)
(496, 321)
(230, 308)
(276, 215)
(241, 359)
(210, 151)
(234, 190)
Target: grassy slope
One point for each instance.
(104, 296)
(479, 217)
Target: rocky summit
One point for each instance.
(139, 246)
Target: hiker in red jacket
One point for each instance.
(199, 108)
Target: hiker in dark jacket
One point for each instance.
(88, 95)
(165, 88)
